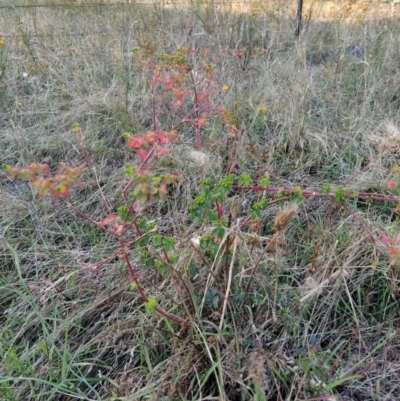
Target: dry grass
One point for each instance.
(313, 311)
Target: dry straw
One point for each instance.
(390, 140)
(283, 218)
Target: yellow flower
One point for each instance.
(133, 286)
(76, 127)
(151, 304)
(1, 42)
(262, 110)
(225, 88)
(396, 169)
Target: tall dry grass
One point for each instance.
(306, 111)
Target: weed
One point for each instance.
(243, 245)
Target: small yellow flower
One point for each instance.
(133, 287)
(225, 88)
(1, 42)
(262, 110)
(396, 169)
(76, 127)
(360, 20)
(151, 304)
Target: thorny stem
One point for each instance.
(140, 289)
(86, 217)
(130, 182)
(312, 194)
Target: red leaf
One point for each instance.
(163, 138)
(151, 138)
(176, 103)
(162, 152)
(142, 153)
(387, 240)
(135, 142)
(63, 190)
(201, 122)
(158, 79)
(111, 218)
(163, 191)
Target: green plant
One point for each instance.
(185, 93)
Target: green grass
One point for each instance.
(311, 312)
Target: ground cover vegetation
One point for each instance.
(197, 206)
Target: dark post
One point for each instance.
(299, 17)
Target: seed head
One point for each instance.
(198, 157)
(390, 140)
(283, 218)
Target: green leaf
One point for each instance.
(199, 200)
(218, 231)
(205, 241)
(157, 240)
(342, 380)
(264, 182)
(161, 268)
(169, 243)
(212, 298)
(151, 225)
(219, 194)
(212, 216)
(142, 223)
(130, 170)
(325, 189)
(340, 195)
(227, 182)
(205, 182)
(124, 214)
(264, 203)
(173, 259)
(255, 214)
(245, 180)
(149, 263)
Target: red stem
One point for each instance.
(140, 289)
(86, 217)
(309, 194)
